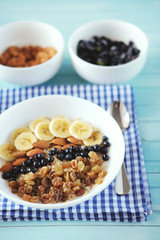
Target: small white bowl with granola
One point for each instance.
(62, 151)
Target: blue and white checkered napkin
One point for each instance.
(106, 206)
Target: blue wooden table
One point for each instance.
(67, 16)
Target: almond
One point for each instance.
(69, 145)
(19, 154)
(41, 144)
(19, 161)
(59, 147)
(75, 140)
(34, 151)
(6, 168)
(59, 141)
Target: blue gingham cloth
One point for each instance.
(106, 206)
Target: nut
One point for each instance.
(41, 144)
(69, 145)
(59, 141)
(34, 151)
(75, 140)
(6, 168)
(19, 161)
(19, 154)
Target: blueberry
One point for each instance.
(68, 156)
(84, 154)
(55, 150)
(105, 157)
(77, 154)
(50, 152)
(27, 163)
(44, 162)
(12, 174)
(78, 149)
(105, 138)
(86, 149)
(60, 156)
(5, 175)
(12, 179)
(104, 150)
(33, 157)
(73, 148)
(96, 148)
(23, 170)
(68, 150)
(50, 159)
(90, 149)
(16, 169)
(40, 155)
(106, 144)
(36, 164)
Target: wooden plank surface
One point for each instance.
(67, 16)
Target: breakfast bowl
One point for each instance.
(74, 109)
(25, 34)
(114, 30)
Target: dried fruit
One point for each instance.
(46, 198)
(57, 181)
(58, 195)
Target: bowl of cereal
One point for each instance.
(31, 52)
(108, 51)
(55, 156)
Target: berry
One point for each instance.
(105, 138)
(5, 175)
(51, 152)
(90, 149)
(73, 148)
(106, 144)
(68, 150)
(60, 156)
(40, 155)
(68, 156)
(84, 154)
(16, 169)
(77, 154)
(86, 149)
(96, 148)
(44, 162)
(50, 159)
(105, 157)
(78, 149)
(23, 170)
(36, 164)
(55, 150)
(104, 150)
(12, 179)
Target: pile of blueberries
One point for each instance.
(103, 51)
(39, 160)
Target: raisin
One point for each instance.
(57, 181)
(46, 198)
(80, 192)
(46, 182)
(58, 195)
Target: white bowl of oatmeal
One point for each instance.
(75, 110)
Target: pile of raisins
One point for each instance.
(106, 52)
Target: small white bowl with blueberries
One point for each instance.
(108, 51)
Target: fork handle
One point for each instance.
(122, 185)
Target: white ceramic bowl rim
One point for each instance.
(38, 65)
(63, 98)
(107, 21)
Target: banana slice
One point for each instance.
(80, 129)
(17, 131)
(6, 151)
(59, 127)
(24, 141)
(95, 138)
(42, 131)
(34, 123)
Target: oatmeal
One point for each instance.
(54, 160)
